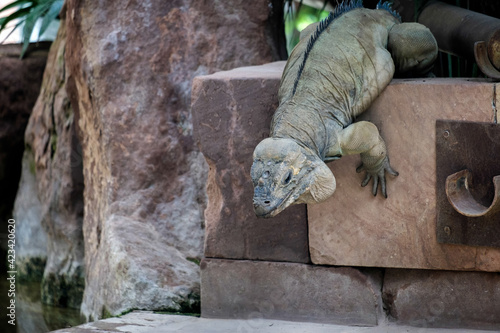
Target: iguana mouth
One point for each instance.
(272, 212)
(266, 210)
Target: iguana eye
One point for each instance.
(287, 178)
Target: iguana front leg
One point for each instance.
(363, 138)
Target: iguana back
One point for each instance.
(347, 67)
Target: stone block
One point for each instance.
(232, 113)
(353, 228)
(443, 298)
(289, 291)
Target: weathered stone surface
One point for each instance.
(443, 298)
(20, 82)
(354, 228)
(289, 291)
(231, 113)
(147, 322)
(31, 239)
(53, 156)
(131, 69)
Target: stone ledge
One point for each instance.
(232, 111)
(148, 322)
(289, 291)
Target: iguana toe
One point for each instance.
(378, 176)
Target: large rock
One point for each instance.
(53, 161)
(232, 111)
(443, 299)
(290, 291)
(20, 81)
(131, 69)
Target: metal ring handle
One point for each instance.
(483, 60)
(459, 196)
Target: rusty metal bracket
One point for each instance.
(467, 201)
(460, 197)
(483, 60)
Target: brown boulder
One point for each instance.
(131, 69)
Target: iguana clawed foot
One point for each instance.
(378, 175)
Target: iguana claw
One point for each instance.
(378, 175)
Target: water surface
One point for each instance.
(31, 315)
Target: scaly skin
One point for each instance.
(346, 69)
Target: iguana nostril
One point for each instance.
(267, 202)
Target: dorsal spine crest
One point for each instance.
(342, 8)
(387, 5)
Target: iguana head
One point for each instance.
(285, 173)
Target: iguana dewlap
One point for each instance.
(334, 73)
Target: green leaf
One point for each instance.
(28, 12)
(30, 21)
(18, 3)
(29, 25)
(18, 14)
(50, 16)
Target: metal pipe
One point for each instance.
(457, 30)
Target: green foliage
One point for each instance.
(28, 12)
(298, 18)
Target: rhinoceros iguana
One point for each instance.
(335, 72)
